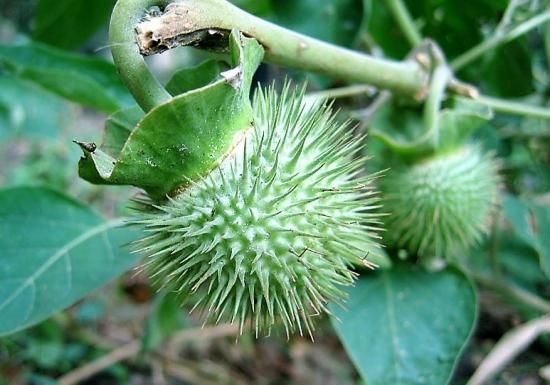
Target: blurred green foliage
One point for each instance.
(55, 86)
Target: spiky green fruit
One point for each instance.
(442, 205)
(272, 233)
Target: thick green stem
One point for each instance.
(499, 39)
(145, 88)
(514, 108)
(186, 18)
(405, 21)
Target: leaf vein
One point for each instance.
(92, 232)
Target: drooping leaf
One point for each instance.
(28, 110)
(54, 251)
(85, 80)
(185, 137)
(404, 131)
(120, 125)
(407, 326)
(69, 23)
(459, 120)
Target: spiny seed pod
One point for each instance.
(442, 205)
(271, 233)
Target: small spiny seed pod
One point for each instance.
(272, 233)
(443, 204)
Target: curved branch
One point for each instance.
(133, 70)
(187, 22)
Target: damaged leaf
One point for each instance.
(180, 140)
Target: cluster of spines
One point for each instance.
(274, 231)
(442, 205)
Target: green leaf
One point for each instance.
(81, 79)
(517, 213)
(519, 262)
(335, 21)
(403, 130)
(165, 318)
(54, 251)
(69, 23)
(542, 217)
(507, 70)
(199, 76)
(28, 110)
(531, 223)
(118, 128)
(406, 326)
(459, 120)
(186, 137)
